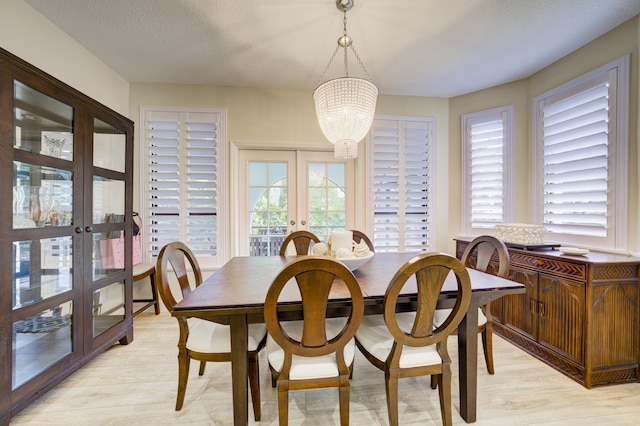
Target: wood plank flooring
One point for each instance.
(136, 385)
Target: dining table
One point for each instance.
(235, 295)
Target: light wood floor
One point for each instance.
(136, 385)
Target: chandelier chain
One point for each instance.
(335, 52)
(345, 56)
(346, 65)
(344, 24)
(345, 37)
(353, 49)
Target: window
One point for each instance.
(402, 174)
(581, 131)
(487, 164)
(181, 157)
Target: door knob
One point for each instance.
(303, 223)
(293, 222)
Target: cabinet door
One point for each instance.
(107, 221)
(518, 310)
(561, 316)
(44, 294)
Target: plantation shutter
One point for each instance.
(484, 170)
(576, 157)
(181, 200)
(402, 173)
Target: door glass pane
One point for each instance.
(40, 341)
(336, 174)
(268, 202)
(42, 196)
(108, 307)
(109, 146)
(108, 200)
(108, 253)
(42, 124)
(326, 197)
(41, 269)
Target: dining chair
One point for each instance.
(316, 351)
(301, 240)
(407, 344)
(359, 236)
(201, 340)
(478, 255)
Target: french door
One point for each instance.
(285, 191)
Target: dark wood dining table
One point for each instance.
(235, 295)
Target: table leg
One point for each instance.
(468, 362)
(239, 344)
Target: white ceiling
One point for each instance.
(437, 48)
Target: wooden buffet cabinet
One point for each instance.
(66, 163)
(579, 314)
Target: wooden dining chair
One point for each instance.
(316, 351)
(478, 255)
(406, 344)
(359, 236)
(301, 240)
(199, 339)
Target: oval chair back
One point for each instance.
(175, 257)
(485, 247)
(301, 240)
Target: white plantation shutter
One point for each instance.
(181, 196)
(575, 139)
(402, 176)
(579, 137)
(487, 161)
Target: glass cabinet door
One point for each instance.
(108, 209)
(42, 291)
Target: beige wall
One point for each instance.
(278, 118)
(30, 36)
(618, 42)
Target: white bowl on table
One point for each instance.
(354, 263)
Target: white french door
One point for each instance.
(285, 191)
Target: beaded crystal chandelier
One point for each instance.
(345, 106)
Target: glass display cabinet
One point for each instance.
(65, 263)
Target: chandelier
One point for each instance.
(345, 106)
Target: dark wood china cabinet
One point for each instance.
(65, 273)
(579, 314)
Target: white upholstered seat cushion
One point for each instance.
(442, 314)
(374, 336)
(309, 367)
(211, 337)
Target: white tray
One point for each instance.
(573, 251)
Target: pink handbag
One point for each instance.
(136, 250)
(117, 251)
(137, 243)
(112, 249)
(106, 256)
